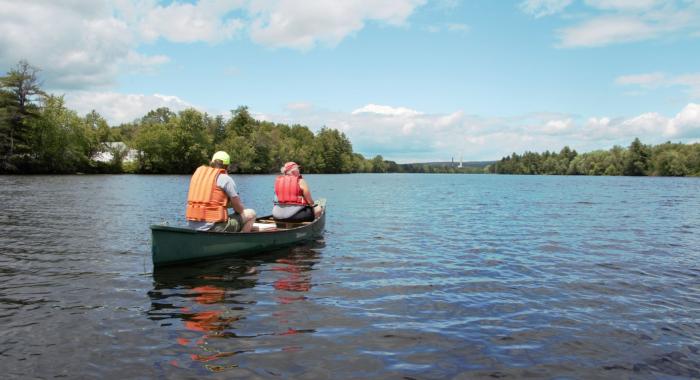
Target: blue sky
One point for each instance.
(412, 80)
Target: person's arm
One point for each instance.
(237, 205)
(229, 187)
(307, 192)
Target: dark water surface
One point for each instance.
(417, 277)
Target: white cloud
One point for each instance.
(299, 106)
(302, 25)
(646, 124)
(449, 120)
(692, 81)
(205, 21)
(449, 27)
(556, 127)
(655, 80)
(624, 4)
(650, 127)
(77, 44)
(605, 30)
(446, 4)
(121, 108)
(645, 80)
(231, 71)
(414, 136)
(458, 27)
(686, 123)
(145, 63)
(605, 22)
(541, 8)
(386, 110)
(87, 44)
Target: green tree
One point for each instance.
(241, 123)
(637, 159)
(217, 129)
(670, 163)
(332, 151)
(190, 141)
(161, 115)
(360, 164)
(98, 124)
(392, 167)
(262, 160)
(299, 147)
(241, 151)
(19, 94)
(693, 159)
(378, 164)
(118, 152)
(59, 140)
(155, 144)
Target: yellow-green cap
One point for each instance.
(222, 156)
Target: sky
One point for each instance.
(412, 80)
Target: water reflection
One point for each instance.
(206, 307)
(297, 277)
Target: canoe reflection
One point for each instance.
(200, 304)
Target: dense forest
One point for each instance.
(668, 159)
(39, 134)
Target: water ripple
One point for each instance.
(498, 277)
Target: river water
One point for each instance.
(417, 277)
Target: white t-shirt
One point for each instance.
(285, 211)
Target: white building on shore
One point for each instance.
(107, 155)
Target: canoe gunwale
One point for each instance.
(186, 230)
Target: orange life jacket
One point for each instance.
(206, 202)
(288, 191)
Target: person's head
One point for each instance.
(220, 160)
(290, 168)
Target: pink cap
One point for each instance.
(289, 166)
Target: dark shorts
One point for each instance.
(304, 215)
(234, 224)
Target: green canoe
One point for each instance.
(174, 245)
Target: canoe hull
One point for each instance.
(173, 245)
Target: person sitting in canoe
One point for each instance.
(294, 202)
(211, 191)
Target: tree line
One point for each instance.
(667, 159)
(39, 134)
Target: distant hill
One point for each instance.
(467, 164)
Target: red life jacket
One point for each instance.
(288, 191)
(206, 202)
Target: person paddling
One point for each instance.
(294, 202)
(211, 192)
